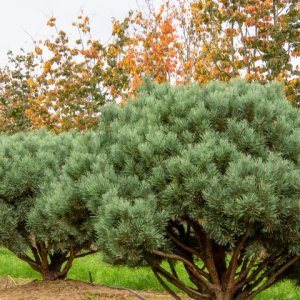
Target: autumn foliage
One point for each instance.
(62, 83)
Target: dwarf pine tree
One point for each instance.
(38, 221)
(208, 177)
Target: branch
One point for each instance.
(86, 253)
(200, 236)
(136, 294)
(271, 280)
(31, 262)
(35, 254)
(69, 261)
(173, 270)
(265, 274)
(244, 272)
(244, 262)
(182, 245)
(229, 275)
(43, 253)
(165, 286)
(129, 290)
(207, 244)
(259, 268)
(210, 263)
(190, 291)
(199, 274)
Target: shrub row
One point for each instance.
(206, 176)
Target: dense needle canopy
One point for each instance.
(205, 175)
(41, 219)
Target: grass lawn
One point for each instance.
(138, 279)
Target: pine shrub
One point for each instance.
(204, 176)
(39, 221)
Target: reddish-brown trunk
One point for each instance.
(52, 266)
(224, 295)
(52, 275)
(53, 271)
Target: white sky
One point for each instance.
(22, 19)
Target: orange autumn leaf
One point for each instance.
(178, 42)
(38, 50)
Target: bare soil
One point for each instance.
(22, 289)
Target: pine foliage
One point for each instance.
(37, 216)
(203, 175)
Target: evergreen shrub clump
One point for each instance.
(38, 221)
(208, 177)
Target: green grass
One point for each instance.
(284, 290)
(14, 267)
(119, 276)
(138, 279)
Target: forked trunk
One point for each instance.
(53, 271)
(53, 265)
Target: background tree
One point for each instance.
(208, 177)
(219, 39)
(62, 83)
(39, 222)
(15, 91)
(256, 39)
(59, 85)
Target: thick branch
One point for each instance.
(229, 276)
(210, 263)
(31, 262)
(43, 253)
(198, 273)
(165, 286)
(35, 254)
(69, 261)
(190, 291)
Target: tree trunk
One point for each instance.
(224, 295)
(52, 275)
(52, 265)
(53, 271)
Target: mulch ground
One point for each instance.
(22, 289)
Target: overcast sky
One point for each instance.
(22, 19)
